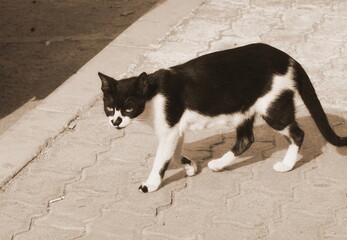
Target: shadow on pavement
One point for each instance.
(267, 144)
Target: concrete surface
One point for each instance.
(83, 184)
(43, 42)
(51, 117)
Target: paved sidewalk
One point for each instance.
(83, 185)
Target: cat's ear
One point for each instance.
(106, 81)
(143, 83)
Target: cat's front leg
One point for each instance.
(166, 148)
(189, 165)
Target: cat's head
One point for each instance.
(125, 99)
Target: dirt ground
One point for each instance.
(43, 42)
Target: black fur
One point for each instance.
(282, 111)
(128, 93)
(223, 82)
(163, 170)
(216, 83)
(296, 134)
(143, 188)
(185, 160)
(244, 137)
(309, 96)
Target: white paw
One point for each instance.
(215, 165)
(144, 187)
(191, 168)
(282, 167)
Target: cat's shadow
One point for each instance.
(268, 143)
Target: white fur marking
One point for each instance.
(191, 169)
(168, 139)
(192, 120)
(218, 164)
(160, 124)
(289, 160)
(125, 119)
(280, 83)
(165, 151)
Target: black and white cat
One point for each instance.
(232, 86)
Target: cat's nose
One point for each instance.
(117, 122)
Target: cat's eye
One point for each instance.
(110, 109)
(129, 110)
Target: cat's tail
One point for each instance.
(309, 96)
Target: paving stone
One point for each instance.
(296, 225)
(39, 186)
(302, 18)
(285, 39)
(339, 65)
(198, 31)
(320, 197)
(271, 5)
(332, 163)
(16, 216)
(317, 51)
(68, 157)
(254, 23)
(225, 231)
(75, 210)
(267, 179)
(335, 26)
(104, 176)
(219, 11)
(312, 4)
(340, 89)
(116, 225)
(339, 9)
(242, 3)
(151, 237)
(138, 203)
(46, 232)
(170, 54)
(185, 220)
(142, 145)
(213, 186)
(252, 208)
(337, 230)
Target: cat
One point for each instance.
(231, 86)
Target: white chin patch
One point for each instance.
(125, 119)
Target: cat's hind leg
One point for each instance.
(281, 117)
(244, 139)
(295, 136)
(189, 165)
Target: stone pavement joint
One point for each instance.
(79, 177)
